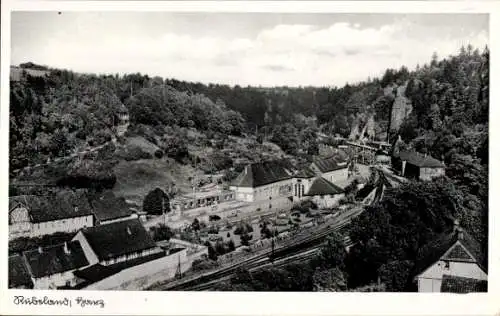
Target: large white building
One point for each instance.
(269, 180)
(264, 181)
(452, 263)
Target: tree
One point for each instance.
(395, 275)
(156, 202)
(332, 253)
(212, 254)
(245, 239)
(196, 225)
(161, 232)
(329, 280)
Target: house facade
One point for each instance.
(452, 263)
(33, 216)
(414, 165)
(54, 266)
(264, 181)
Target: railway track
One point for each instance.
(291, 249)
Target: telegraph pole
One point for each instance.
(272, 250)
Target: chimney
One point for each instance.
(66, 248)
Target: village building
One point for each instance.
(202, 198)
(414, 165)
(19, 276)
(32, 216)
(303, 180)
(264, 181)
(107, 209)
(54, 266)
(324, 193)
(453, 263)
(122, 241)
(334, 169)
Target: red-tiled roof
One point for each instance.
(119, 238)
(455, 284)
(56, 259)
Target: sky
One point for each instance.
(259, 49)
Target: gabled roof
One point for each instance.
(64, 204)
(330, 164)
(56, 259)
(321, 186)
(108, 207)
(119, 238)
(436, 249)
(19, 275)
(455, 284)
(305, 173)
(262, 173)
(420, 160)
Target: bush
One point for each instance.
(204, 264)
(161, 232)
(136, 153)
(159, 153)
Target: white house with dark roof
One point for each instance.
(412, 164)
(274, 179)
(117, 242)
(264, 181)
(32, 216)
(324, 193)
(334, 169)
(454, 262)
(54, 266)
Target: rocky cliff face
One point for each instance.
(401, 107)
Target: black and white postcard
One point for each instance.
(160, 156)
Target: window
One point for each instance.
(447, 265)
